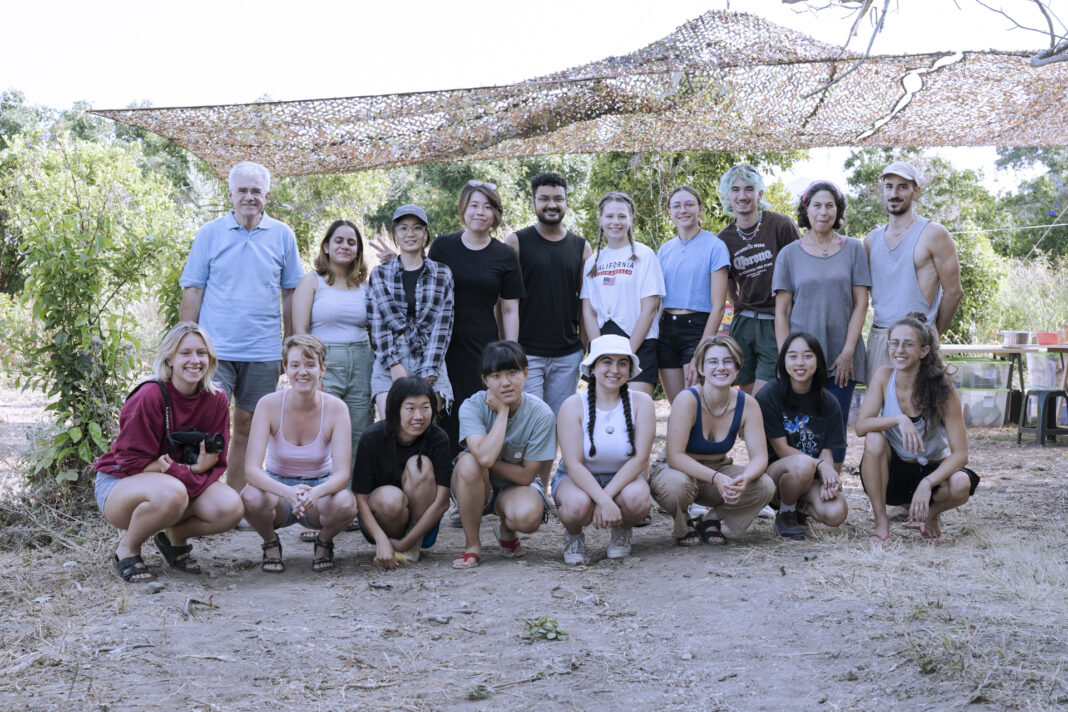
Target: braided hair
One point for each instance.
(591, 417)
(614, 197)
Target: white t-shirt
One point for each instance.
(617, 288)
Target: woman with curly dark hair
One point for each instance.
(605, 437)
(915, 444)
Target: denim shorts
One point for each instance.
(291, 518)
(561, 474)
(102, 488)
(679, 336)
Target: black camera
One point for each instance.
(188, 444)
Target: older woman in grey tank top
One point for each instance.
(330, 303)
(915, 444)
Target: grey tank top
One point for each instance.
(895, 291)
(339, 316)
(935, 443)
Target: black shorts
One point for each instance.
(905, 478)
(679, 336)
(646, 353)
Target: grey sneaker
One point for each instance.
(787, 526)
(619, 546)
(574, 549)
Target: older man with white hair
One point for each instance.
(241, 266)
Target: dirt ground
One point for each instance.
(760, 624)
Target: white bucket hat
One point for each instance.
(610, 345)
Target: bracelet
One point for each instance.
(714, 473)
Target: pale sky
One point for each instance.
(112, 53)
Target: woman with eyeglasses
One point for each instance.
(821, 287)
(410, 308)
(330, 304)
(915, 444)
(484, 271)
(706, 420)
(695, 279)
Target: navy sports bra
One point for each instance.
(697, 445)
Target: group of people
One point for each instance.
(470, 355)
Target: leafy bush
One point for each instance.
(981, 274)
(1034, 295)
(95, 232)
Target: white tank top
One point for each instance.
(339, 316)
(610, 434)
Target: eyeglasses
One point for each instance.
(482, 184)
(894, 345)
(688, 204)
(555, 199)
(411, 230)
(727, 362)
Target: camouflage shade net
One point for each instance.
(724, 81)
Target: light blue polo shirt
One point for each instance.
(687, 267)
(243, 274)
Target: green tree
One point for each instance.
(1039, 202)
(94, 231)
(649, 178)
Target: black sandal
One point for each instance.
(275, 561)
(710, 532)
(691, 537)
(133, 566)
(323, 563)
(309, 535)
(178, 557)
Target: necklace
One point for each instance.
(714, 414)
(756, 229)
(816, 243)
(898, 234)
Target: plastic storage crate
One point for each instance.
(1044, 370)
(984, 406)
(978, 373)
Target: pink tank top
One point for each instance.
(301, 461)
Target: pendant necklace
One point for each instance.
(820, 247)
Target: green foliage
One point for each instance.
(982, 272)
(479, 691)
(94, 231)
(649, 179)
(308, 204)
(543, 628)
(1037, 202)
(1034, 296)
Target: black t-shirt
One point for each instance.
(552, 278)
(804, 428)
(380, 459)
(480, 277)
(409, 279)
(753, 260)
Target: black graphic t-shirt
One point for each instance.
(803, 426)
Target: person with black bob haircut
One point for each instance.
(803, 425)
(508, 436)
(401, 474)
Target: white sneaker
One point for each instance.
(574, 549)
(619, 546)
(767, 513)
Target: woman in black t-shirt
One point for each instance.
(803, 424)
(401, 474)
(484, 270)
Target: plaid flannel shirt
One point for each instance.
(423, 339)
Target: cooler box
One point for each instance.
(978, 373)
(1044, 370)
(984, 406)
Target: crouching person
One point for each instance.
(149, 482)
(705, 420)
(508, 436)
(915, 444)
(401, 474)
(305, 435)
(605, 437)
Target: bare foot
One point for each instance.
(878, 541)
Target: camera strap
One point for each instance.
(166, 439)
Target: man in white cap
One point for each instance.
(914, 265)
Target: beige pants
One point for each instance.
(675, 491)
(876, 354)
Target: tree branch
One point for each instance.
(863, 58)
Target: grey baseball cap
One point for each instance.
(903, 169)
(413, 210)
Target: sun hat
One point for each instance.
(413, 210)
(610, 345)
(903, 169)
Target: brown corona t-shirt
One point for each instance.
(753, 261)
